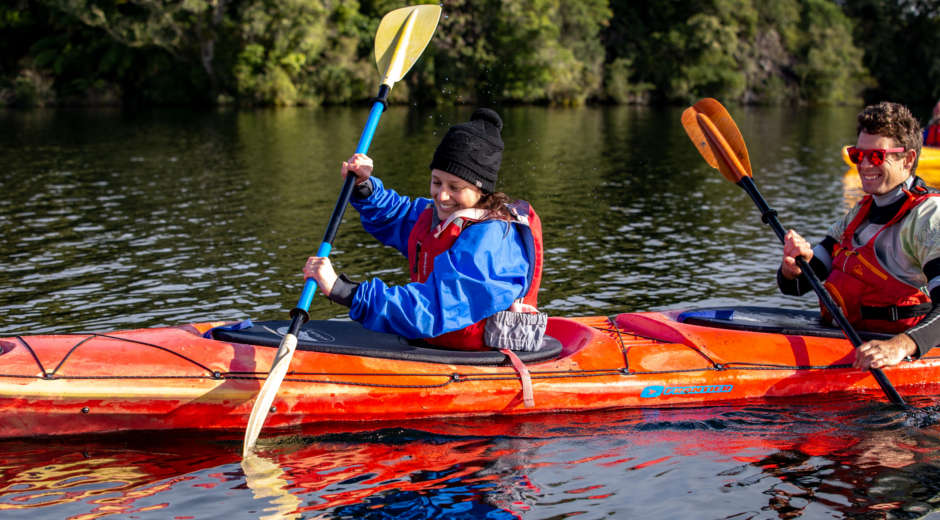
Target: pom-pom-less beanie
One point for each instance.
(473, 150)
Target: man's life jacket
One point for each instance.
(932, 137)
(425, 244)
(871, 298)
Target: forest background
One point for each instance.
(556, 52)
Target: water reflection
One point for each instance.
(806, 459)
(108, 478)
(268, 482)
(885, 473)
(790, 461)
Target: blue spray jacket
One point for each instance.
(483, 273)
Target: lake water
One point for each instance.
(116, 220)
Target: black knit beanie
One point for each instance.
(473, 150)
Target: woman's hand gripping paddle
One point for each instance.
(717, 138)
(400, 40)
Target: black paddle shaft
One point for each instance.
(298, 315)
(344, 195)
(769, 217)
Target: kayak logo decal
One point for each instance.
(659, 390)
(308, 334)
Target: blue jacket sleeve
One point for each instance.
(388, 216)
(480, 275)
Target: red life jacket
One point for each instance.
(425, 243)
(933, 135)
(871, 298)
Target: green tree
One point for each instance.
(562, 52)
(901, 39)
(741, 50)
(300, 52)
(830, 70)
(187, 31)
(51, 57)
(524, 51)
(683, 49)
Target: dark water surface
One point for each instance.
(111, 220)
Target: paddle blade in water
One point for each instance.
(402, 36)
(259, 412)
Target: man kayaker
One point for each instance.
(881, 261)
(475, 255)
(932, 131)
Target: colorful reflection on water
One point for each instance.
(847, 459)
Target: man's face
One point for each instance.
(896, 168)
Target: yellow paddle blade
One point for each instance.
(402, 36)
(716, 136)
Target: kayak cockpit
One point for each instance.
(735, 336)
(351, 338)
(767, 319)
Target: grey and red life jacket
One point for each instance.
(932, 135)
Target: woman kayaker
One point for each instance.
(881, 261)
(932, 132)
(475, 255)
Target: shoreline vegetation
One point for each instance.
(247, 53)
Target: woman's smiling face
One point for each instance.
(451, 193)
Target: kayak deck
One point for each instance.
(174, 378)
(351, 338)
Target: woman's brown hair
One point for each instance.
(495, 204)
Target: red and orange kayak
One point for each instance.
(176, 378)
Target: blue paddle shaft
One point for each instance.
(366, 138)
(310, 285)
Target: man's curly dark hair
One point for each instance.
(892, 120)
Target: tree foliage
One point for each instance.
(901, 40)
(562, 52)
(747, 50)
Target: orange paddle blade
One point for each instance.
(717, 138)
(690, 123)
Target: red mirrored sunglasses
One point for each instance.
(876, 156)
